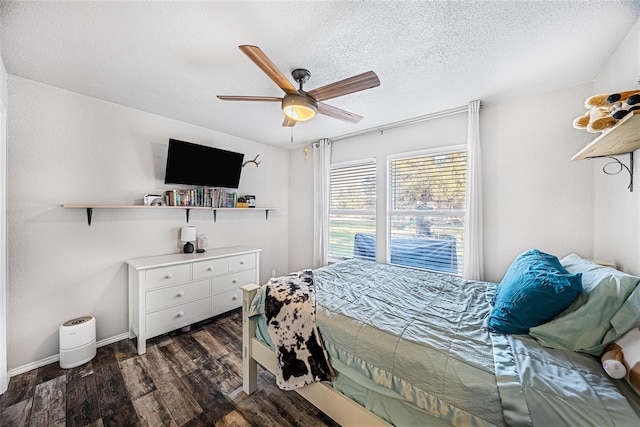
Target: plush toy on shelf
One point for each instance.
(621, 358)
(608, 99)
(597, 119)
(605, 110)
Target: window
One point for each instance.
(352, 207)
(426, 210)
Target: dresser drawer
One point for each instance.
(210, 267)
(184, 292)
(226, 301)
(170, 275)
(242, 262)
(178, 316)
(232, 281)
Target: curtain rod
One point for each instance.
(439, 114)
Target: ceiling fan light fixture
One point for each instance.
(299, 108)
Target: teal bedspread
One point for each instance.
(422, 336)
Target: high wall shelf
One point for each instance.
(623, 138)
(90, 207)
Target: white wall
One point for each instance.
(68, 148)
(533, 195)
(3, 231)
(300, 209)
(3, 81)
(616, 210)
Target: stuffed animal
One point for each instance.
(615, 97)
(595, 120)
(606, 109)
(612, 362)
(621, 358)
(607, 99)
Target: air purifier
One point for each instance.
(77, 341)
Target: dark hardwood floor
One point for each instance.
(184, 379)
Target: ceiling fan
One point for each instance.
(299, 105)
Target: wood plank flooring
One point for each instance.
(184, 379)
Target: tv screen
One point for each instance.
(194, 164)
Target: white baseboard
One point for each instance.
(56, 357)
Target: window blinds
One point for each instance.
(426, 211)
(352, 207)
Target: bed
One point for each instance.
(412, 347)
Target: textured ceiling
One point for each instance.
(173, 58)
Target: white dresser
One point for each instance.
(168, 292)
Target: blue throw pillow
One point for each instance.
(535, 289)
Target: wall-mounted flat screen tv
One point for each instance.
(194, 164)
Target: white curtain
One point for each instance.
(321, 166)
(473, 266)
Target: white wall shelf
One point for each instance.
(623, 138)
(187, 209)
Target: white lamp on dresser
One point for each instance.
(188, 235)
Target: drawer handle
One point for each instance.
(234, 281)
(242, 262)
(169, 276)
(180, 314)
(180, 294)
(210, 269)
(235, 297)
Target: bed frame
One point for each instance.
(336, 405)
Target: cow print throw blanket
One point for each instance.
(290, 309)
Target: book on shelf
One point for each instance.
(206, 197)
(229, 199)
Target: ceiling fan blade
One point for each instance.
(343, 87)
(338, 113)
(248, 98)
(260, 59)
(288, 122)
